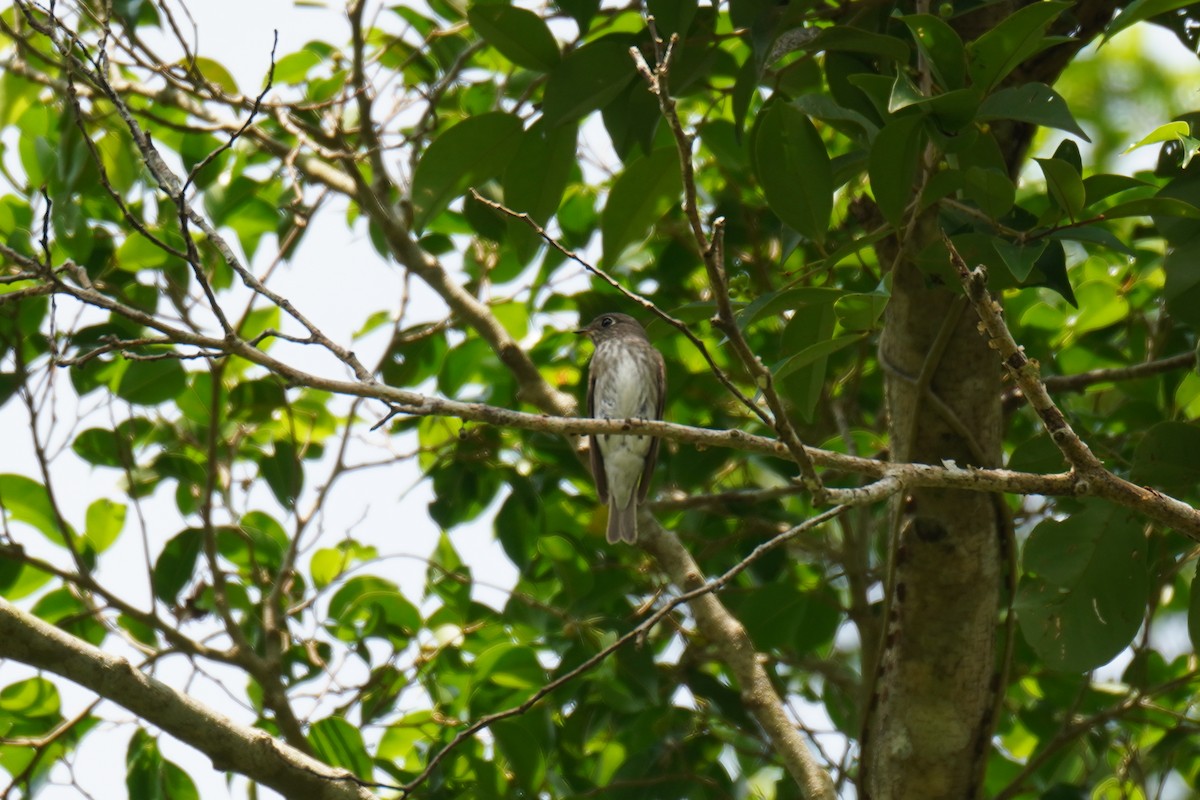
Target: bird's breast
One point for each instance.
(624, 387)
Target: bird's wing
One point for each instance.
(660, 386)
(597, 458)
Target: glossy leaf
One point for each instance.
(1036, 103)
(1172, 131)
(793, 168)
(1065, 185)
(1140, 10)
(1002, 48)
(939, 43)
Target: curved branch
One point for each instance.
(230, 745)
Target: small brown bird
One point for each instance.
(626, 380)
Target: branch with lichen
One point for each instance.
(1089, 474)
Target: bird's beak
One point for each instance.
(580, 332)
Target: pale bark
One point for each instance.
(232, 747)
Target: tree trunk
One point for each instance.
(930, 711)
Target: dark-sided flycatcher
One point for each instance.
(626, 380)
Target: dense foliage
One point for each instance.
(152, 205)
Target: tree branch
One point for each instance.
(231, 746)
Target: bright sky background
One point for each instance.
(336, 279)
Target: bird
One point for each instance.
(626, 380)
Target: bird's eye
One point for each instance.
(606, 322)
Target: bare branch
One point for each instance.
(231, 746)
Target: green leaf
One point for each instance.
(340, 744)
(536, 179)
(1100, 304)
(149, 776)
(989, 189)
(1020, 259)
(105, 519)
(1153, 207)
(175, 564)
(214, 73)
(772, 303)
(1193, 619)
(1085, 587)
(1182, 289)
(524, 744)
(1171, 132)
(329, 563)
(511, 667)
(149, 383)
(942, 46)
(892, 165)
(860, 311)
(814, 352)
(138, 253)
(809, 331)
(100, 447)
(26, 500)
(520, 35)
(826, 109)
(293, 68)
(672, 16)
(33, 697)
(471, 152)
(587, 79)
(1039, 454)
(849, 39)
(1035, 103)
(1002, 48)
(1166, 458)
(1099, 187)
(777, 615)
(177, 784)
(1065, 185)
(368, 606)
(1140, 10)
(9, 383)
(793, 168)
(283, 473)
(642, 193)
(904, 94)
(1093, 234)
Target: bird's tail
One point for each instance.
(622, 522)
